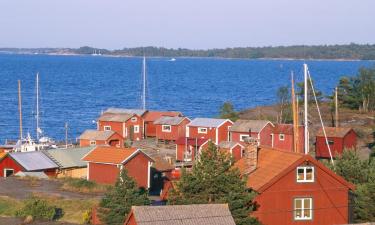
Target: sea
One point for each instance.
(76, 89)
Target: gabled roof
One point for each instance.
(96, 135)
(334, 131)
(274, 164)
(201, 214)
(168, 120)
(115, 117)
(112, 155)
(138, 112)
(284, 129)
(68, 158)
(154, 115)
(229, 144)
(191, 141)
(207, 122)
(247, 125)
(33, 161)
(2, 155)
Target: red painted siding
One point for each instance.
(138, 169)
(330, 200)
(265, 137)
(115, 140)
(103, 173)
(177, 131)
(9, 163)
(237, 153)
(211, 133)
(118, 127)
(349, 141)
(287, 143)
(150, 129)
(224, 132)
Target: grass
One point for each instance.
(82, 186)
(9, 206)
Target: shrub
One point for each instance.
(86, 217)
(37, 208)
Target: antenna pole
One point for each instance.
(37, 106)
(144, 84)
(336, 109)
(66, 134)
(20, 107)
(306, 110)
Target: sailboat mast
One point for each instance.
(336, 109)
(306, 110)
(144, 84)
(37, 106)
(295, 123)
(20, 108)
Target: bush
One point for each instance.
(82, 185)
(86, 217)
(38, 209)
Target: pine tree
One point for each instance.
(117, 202)
(227, 112)
(214, 180)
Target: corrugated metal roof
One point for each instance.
(33, 161)
(334, 131)
(246, 125)
(168, 120)
(206, 122)
(115, 117)
(96, 135)
(40, 175)
(228, 144)
(202, 214)
(154, 115)
(68, 158)
(138, 112)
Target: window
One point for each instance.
(166, 128)
(92, 142)
(330, 142)
(107, 128)
(134, 119)
(281, 137)
(136, 129)
(305, 174)
(8, 172)
(202, 130)
(243, 137)
(303, 208)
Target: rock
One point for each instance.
(29, 219)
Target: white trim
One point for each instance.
(136, 131)
(88, 171)
(105, 128)
(149, 174)
(92, 142)
(304, 180)
(133, 119)
(123, 130)
(244, 135)
(5, 171)
(303, 208)
(272, 139)
(201, 132)
(217, 136)
(166, 130)
(227, 120)
(187, 131)
(283, 137)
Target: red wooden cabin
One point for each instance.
(129, 126)
(216, 130)
(235, 149)
(282, 137)
(294, 188)
(151, 116)
(95, 137)
(171, 128)
(260, 129)
(339, 138)
(188, 148)
(104, 164)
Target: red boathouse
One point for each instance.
(282, 138)
(259, 129)
(170, 128)
(95, 137)
(216, 130)
(151, 116)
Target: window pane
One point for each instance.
(306, 203)
(298, 213)
(298, 204)
(309, 174)
(300, 174)
(307, 213)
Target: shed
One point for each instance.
(260, 129)
(171, 128)
(96, 137)
(283, 137)
(217, 130)
(235, 149)
(188, 148)
(151, 116)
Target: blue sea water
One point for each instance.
(75, 89)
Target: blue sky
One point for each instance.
(192, 24)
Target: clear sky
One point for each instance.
(196, 24)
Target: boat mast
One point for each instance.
(144, 84)
(306, 108)
(20, 107)
(37, 106)
(336, 109)
(295, 121)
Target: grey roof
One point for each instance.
(96, 135)
(228, 144)
(169, 120)
(40, 175)
(246, 125)
(115, 117)
(206, 122)
(33, 161)
(139, 112)
(203, 214)
(68, 158)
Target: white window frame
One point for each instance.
(107, 128)
(168, 130)
(92, 142)
(136, 129)
(5, 171)
(242, 136)
(304, 180)
(202, 128)
(303, 208)
(281, 137)
(134, 119)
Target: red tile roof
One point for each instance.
(112, 155)
(191, 141)
(334, 131)
(154, 115)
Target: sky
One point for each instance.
(194, 24)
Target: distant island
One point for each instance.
(328, 52)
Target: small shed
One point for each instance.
(260, 129)
(217, 130)
(96, 137)
(339, 138)
(188, 148)
(170, 128)
(235, 149)
(283, 137)
(151, 116)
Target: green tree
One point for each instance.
(38, 208)
(214, 180)
(283, 104)
(310, 95)
(364, 202)
(117, 202)
(227, 111)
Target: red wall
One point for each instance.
(339, 144)
(287, 144)
(330, 200)
(9, 163)
(118, 127)
(150, 129)
(138, 169)
(237, 153)
(224, 132)
(115, 140)
(177, 131)
(181, 150)
(265, 135)
(211, 133)
(103, 173)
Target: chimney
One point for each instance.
(251, 155)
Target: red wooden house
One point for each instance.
(188, 148)
(14, 162)
(216, 130)
(339, 138)
(151, 116)
(235, 149)
(282, 138)
(129, 126)
(95, 137)
(260, 129)
(104, 164)
(171, 128)
(294, 188)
